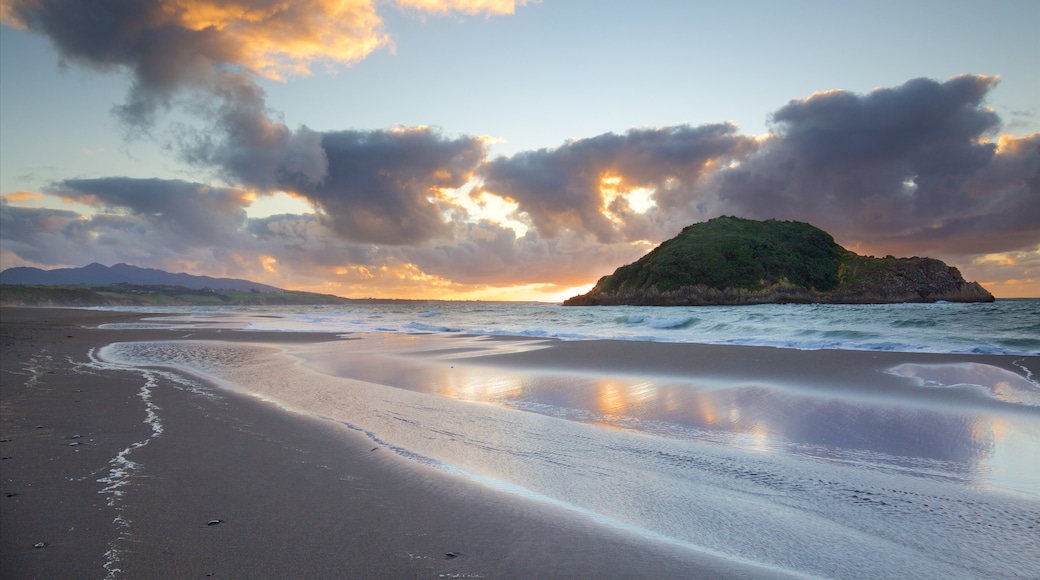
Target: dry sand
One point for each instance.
(293, 497)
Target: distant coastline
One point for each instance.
(84, 295)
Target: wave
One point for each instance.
(673, 323)
(915, 323)
(849, 334)
(430, 328)
(1024, 344)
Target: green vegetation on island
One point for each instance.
(728, 261)
(152, 295)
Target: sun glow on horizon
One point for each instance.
(366, 284)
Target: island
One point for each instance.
(735, 261)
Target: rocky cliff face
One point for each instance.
(889, 279)
(731, 261)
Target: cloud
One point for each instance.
(908, 167)
(382, 186)
(214, 51)
(28, 234)
(480, 255)
(168, 224)
(994, 209)
(487, 253)
(244, 145)
(180, 213)
(1007, 274)
(917, 169)
(171, 45)
(22, 196)
(51, 238)
(563, 189)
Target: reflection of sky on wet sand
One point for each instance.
(979, 444)
(998, 383)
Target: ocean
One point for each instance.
(844, 447)
(1001, 327)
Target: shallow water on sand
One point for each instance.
(935, 477)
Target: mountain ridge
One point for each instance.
(122, 273)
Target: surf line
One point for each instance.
(1025, 369)
(121, 468)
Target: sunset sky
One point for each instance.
(510, 150)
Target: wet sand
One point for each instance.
(234, 487)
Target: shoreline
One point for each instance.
(289, 495)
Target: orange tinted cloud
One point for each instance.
(269, 38)
(275, 39)
(22, 196)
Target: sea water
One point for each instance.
(1001, 327)
(936, 477)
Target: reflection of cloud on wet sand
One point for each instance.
(901, 429)
(767, 418)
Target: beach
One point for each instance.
(259, 453)
(225, 485)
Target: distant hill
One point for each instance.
(727, 261)
(97, 274)
(83, 295)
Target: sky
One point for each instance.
(510, 150)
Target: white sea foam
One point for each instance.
(994, 382)
(121, 467)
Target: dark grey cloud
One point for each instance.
(30, 234)
(560, 189)
(999, 207)
(922, 122)
(911, 166)
(245, 143)
(382, 186)
(167, 224)
(50, 237)
(178, 212)
(302, 242)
